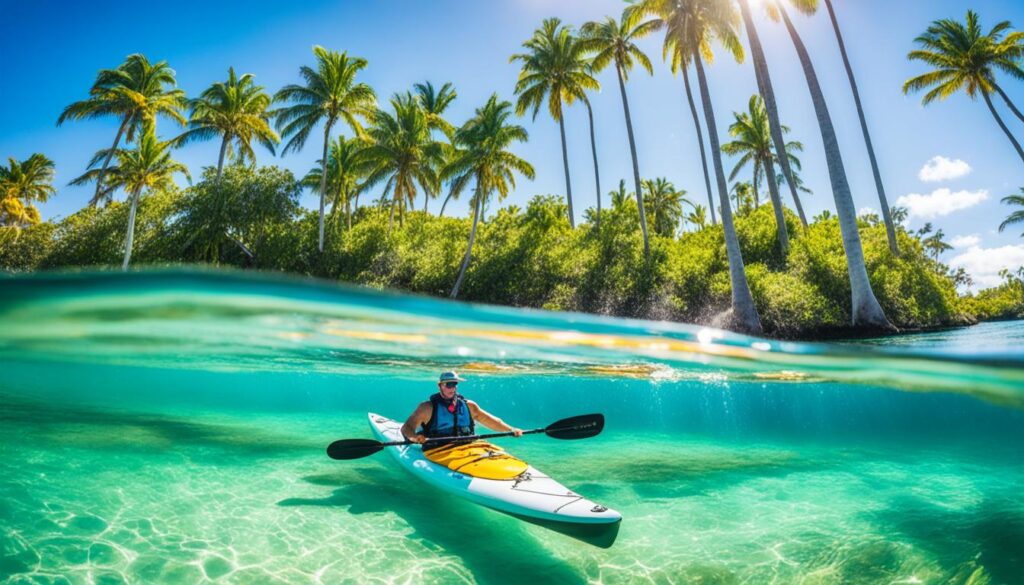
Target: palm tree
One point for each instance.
(689, 29)
(147, 167)
(136, 93)
(670, 15)
(745, 196)
(554, 69)
(698, 217)
(890, 226)
(614, 43)
(936, 244)
(21, 184)
(330, 94)
(403, 153)
(665, 205)
(486, 160)
(865, 310)
(620, 196)
(347, 166)
(435, 102)
(237, 112)
(967, 59)
(753, 144)
(1018, 215)
(767, 91)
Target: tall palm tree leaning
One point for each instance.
(753, 143)
(890, 226)
(554, 69)
(689, 29)
(966, 58)
(136, 92)
(236, 111)
(487, 162)
(403, 153)
(147, 167)
(767, 91)
(21, 184)
(674, 19)
(613, 43)
(865, 310)
(330, 94)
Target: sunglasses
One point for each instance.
(450, 384)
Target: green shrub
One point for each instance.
(1002, 302)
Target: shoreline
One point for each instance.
(811, 335)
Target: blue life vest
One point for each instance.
(457, 422)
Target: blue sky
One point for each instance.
(52, 51)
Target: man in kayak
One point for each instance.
(449, 414)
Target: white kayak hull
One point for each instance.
(533, 496)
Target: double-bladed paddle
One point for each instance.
(574, 427)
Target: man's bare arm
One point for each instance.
(419, 417)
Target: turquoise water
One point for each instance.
(169, 427)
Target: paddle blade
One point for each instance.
(576, 427)
(353, 448)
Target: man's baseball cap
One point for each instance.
(450, 377)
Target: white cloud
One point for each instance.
(968, 241)
(866, 210)
(940, 202)
(940, 168)
(984, 264)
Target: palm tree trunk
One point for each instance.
(757, 195)
(220, 159)
(593, 149)
(130, 237)
(469, 248)
(890, 227)
(991, 108)
(106, 162)
(700, 141)
(565, 163)
(245, 249)
(744, 312)
(391, 214)
(780, 217)
(865, 310)
(323, 179)
(636, 166)
(348, 211)
(767, 91)
(1006, 98)
(445, 204)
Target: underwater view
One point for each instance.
(170, 427)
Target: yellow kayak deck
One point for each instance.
(477, 459)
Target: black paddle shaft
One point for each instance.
(576, 427)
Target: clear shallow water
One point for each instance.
(169, 427)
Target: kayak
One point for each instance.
(531, 496)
